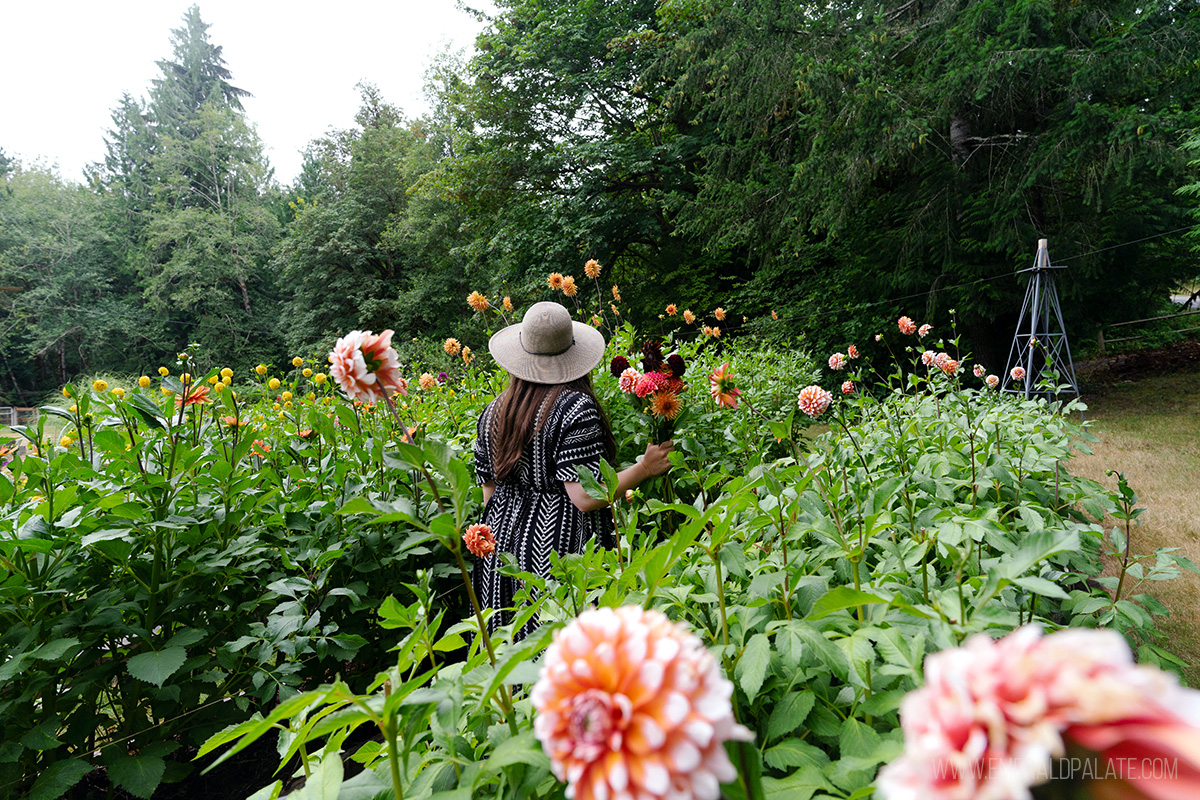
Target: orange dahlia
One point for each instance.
(479, 540)
(568, 285)
(508, 305)
(426, 381)
(478, 302)
(671, 310)
(722, 388)
(631, 704)
(198, 394)
(688, 316)
(592, 268)
(452, 347)
(719, 313)
(555, 281)
(666, 405)
(907, 326)
(616, 293)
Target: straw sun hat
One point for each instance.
(547, 346)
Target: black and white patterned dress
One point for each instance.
(530, 513)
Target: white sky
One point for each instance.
(69, 62)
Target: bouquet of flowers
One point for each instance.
(655, 391)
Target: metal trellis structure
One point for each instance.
(1040, 349)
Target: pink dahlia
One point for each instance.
(848, 387)
(924, 330)
(1017, 373)
(366, 367)
(814, 401)
(978, 370)
(648, 384)
(852, 351)
(940, 359)
(628, 380)
(992, 381)
(907, 326)
(837, 361)
(927, 357)
(479, 540)
(993, 714)
(722, 388)
(630, 704)
(949, 366)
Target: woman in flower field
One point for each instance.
(530, 440)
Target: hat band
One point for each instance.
(555, 353)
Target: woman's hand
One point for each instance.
(655, 461)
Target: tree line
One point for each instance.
(803, 158)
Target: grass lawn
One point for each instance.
(1150, 429)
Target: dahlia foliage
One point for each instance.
(630, 704)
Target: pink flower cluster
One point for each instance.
(814, 401)
(366, 367)
(630, 704)
(992, 715)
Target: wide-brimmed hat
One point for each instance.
(547, 346)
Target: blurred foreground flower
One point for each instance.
(994, 716)
(198, 394)
(630, 704)
(722, 387)
(365, 366)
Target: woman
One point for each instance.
(531, 439)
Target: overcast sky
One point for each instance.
(67, 64)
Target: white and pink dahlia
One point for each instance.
(848, 387)
(1017, 373)
(907, 326)
(927, 357)
(628, 380)
(978, 370)
(992, 381)
(924, 330)
(837, 361)
(993, 714)
(949, 366)
(630, 704)
(852, 351)
(814, 401)
(366, 367)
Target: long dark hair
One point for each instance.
(521, 411)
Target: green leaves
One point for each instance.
(156, 667)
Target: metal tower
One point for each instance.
(1040, 348)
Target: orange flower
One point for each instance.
(508, 306)
(719, 313)
(666, 405)
(616, 293)
(466, 355)
(568, 285)
(592, 268)
(260, 448)
(671, 309)
(478, 302)
(198, 394)
(304, 434)
(688, 316)
(452, 347)
(774, 315)
(630, 704)
(614, 309)
(366, 366)
(426, 381)
(555, 281)
(233, 422)
(479, 540)
(722, 388)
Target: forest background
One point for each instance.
(830, 163)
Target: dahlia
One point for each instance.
(978, 370)
(479, 540)
(852, 351)
(365, 366)
(1017, 373)
(648, 384)
(719, 313)
(99, 385)
(616, 294)
(618, 365)
(907, 326)
(555, 281)
(630, 704)
(722, 388)
(814, 401)
(927, 357)
(198, 394)
(940, 359)
(688, 316)
(675, 362)
(665, 404)
(452, 347)
(297, 362)
(628, 380)
(592, 268)
(949, 366)
(426, 381)
(774, 315)
(466, 355)
(507, 303)
(924, 330)
(568, 285)
(837, 361)
(672, 310)
(848, 387)
(478, 302)
(994, 714)
(992, 381)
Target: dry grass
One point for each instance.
(1150, 430)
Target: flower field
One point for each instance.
(199, 560)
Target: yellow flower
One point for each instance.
(466, 355)
(555, 280)
(73, 409)
(508, 306)
(65, 392)
(119, 392)
(478, 302)
(144, 381)
(297, 361)
(307, 372)
(312, 396)
(167, 392)
(592, 268)
(319, 378)
(99, 386)
(226, 373)
(288, 404)
(164, 371)
(286, 396)
(452, 347)
(226, 381)
(66, 441)
(450, 392)
(616, 293)
(568, 286)
(261, 369)
(273, 383)
(214, 379)
(219, 387)
(186, 378)
(274, 406)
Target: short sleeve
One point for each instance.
(581, 442)
(483, 447)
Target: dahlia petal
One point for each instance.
(657, 780)
(685, 756)
(666, 648)
(650, 676)
(705, 785)
(676, 709)
(618, 773)
(699, 731)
